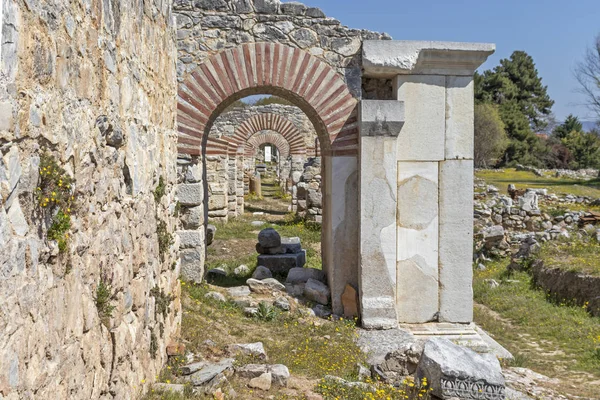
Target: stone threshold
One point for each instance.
(467, 335)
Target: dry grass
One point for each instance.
(574, 255)
(522, 180)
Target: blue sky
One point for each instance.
(555, 33)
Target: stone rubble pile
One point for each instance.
(504, 226)
(307, 199)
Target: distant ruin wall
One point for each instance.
(91, 86)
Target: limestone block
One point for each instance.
(193, 217)
(417, 242)
(456, 240)
(453, 371)
(217, 202)
(387, 58)
(192, 264)
(190, 194)
(459, 117)
(191, 238)
(422, 137)
(378, 179)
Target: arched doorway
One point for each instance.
(321, 93)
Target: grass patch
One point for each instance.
(334, 390)
(524, 179)
(556, 340)
(572, 255)
(305, 348)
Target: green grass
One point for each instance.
(553, 339)
(573, 255)
(522, 180)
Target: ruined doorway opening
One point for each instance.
(322, 94)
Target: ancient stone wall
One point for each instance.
(226, 124)
(307, 197)
(209, 26)
(91, 87)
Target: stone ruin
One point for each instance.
(121, 96)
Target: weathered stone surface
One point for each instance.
(529, 201)
(210, 371)
(423, 135)
(266, 6)
(192, 264)
(250, 371)
(350, 302)
(302, 275)
(280, 374)
(193, 217)
(282, 303)
(254, 349)
(190, 194)
(390, 58)
(262, 382)
(293, 8)
(191, 239)
(216, 296)
(262, 272)
(454, 371)
(238, 291)
(459, 118)
(280, 264)
(417, 242)
(400, 363)
(317, 291)
(456, 241)
(264, 286)
(269, 238)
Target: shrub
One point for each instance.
(103, 297)
(54, 195)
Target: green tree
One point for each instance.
(585, 149)
(571, 124)
(524, 106)
(490, 137)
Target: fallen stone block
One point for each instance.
(210, 371)
(302, 275)
(261, 272)
(455, 371)
(262, 382)
(279, 374)
(317, 291)
(238, 291)
(250, 371)
(254, 349)
(265, 286)
(282, 263)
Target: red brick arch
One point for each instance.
(268, 68)
(268, 122)
(274, 138)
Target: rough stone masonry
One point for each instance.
(90, 85)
